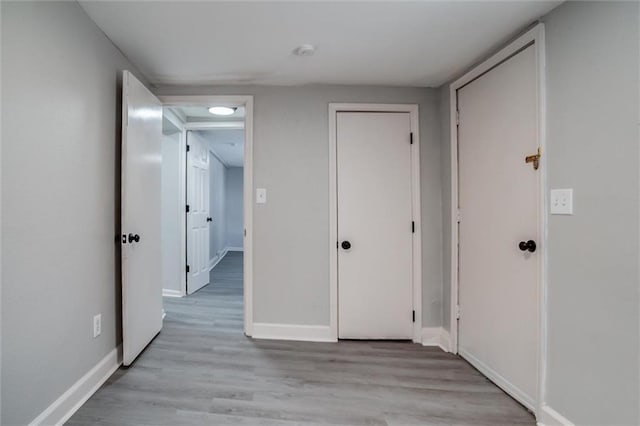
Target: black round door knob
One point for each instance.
(527, 246)
(133, 238)
(209, 219)
(346, 245)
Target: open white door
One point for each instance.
(198, 218)
(499, 239)
(141, 208)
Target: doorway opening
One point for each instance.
(206, 209)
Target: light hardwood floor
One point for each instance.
(201, 370)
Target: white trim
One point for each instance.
(412, 109)
(234, 249)
(436, 336)
(307, 333)
(247, 102)
(69, 402)
(499, 380)
(173, 118)
(215, 260)
(166, 292)
(205, 125)
(550, 417)
(182, 202)
(535, 36)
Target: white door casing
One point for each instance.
(499, 201)
(198, 214)
(374, 200)
(141, 217)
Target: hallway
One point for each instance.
(202, 370)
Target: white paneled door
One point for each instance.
(499, 229)
(141, 211)
(198, 218)
(374, 225)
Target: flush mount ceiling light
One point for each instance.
(304, 50)
(222, 110)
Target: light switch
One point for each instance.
(261, 195)
(561, 201)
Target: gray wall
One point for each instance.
(172, 213)
(291, 160)
(592, 86)
(592, 146)
(60, 203)
(234, 212)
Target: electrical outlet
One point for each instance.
(97, 325)
(561, 201)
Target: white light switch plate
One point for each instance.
(261, 195)
(561, 201)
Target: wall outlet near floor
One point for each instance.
(97, 325)
(561, 201)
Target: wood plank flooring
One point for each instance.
(201, 370)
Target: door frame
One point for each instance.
(412, 109)
(245, 101)
(535, 37)
(182, 197)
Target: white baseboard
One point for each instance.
(550, 417)
(309, 333)
(234, 249)
(499, 380)
(213, 262)
(171, 293)
(69, 402)
(436, 336)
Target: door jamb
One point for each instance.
(536, 37)
(247, 102)
(412, 109)
(182, 196)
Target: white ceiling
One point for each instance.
(378, 43)
(227, 144)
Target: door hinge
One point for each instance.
(413, 316)
(188, 269)
(413, 227)
(457, 117)
(188, 147)
(187, 208)
(411, 138)
(457, 311)
(459, 216)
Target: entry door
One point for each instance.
(374, 225)
(500, 213)
(141, 216)
(198, 218)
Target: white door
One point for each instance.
(141, 209)
(198, 218)
(374, 225)
(498, 199)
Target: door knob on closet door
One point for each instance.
(133, 238)
(346, 245)
(527, 246)
(209, 219)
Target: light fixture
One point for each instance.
(222, 110)
(304, 50)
